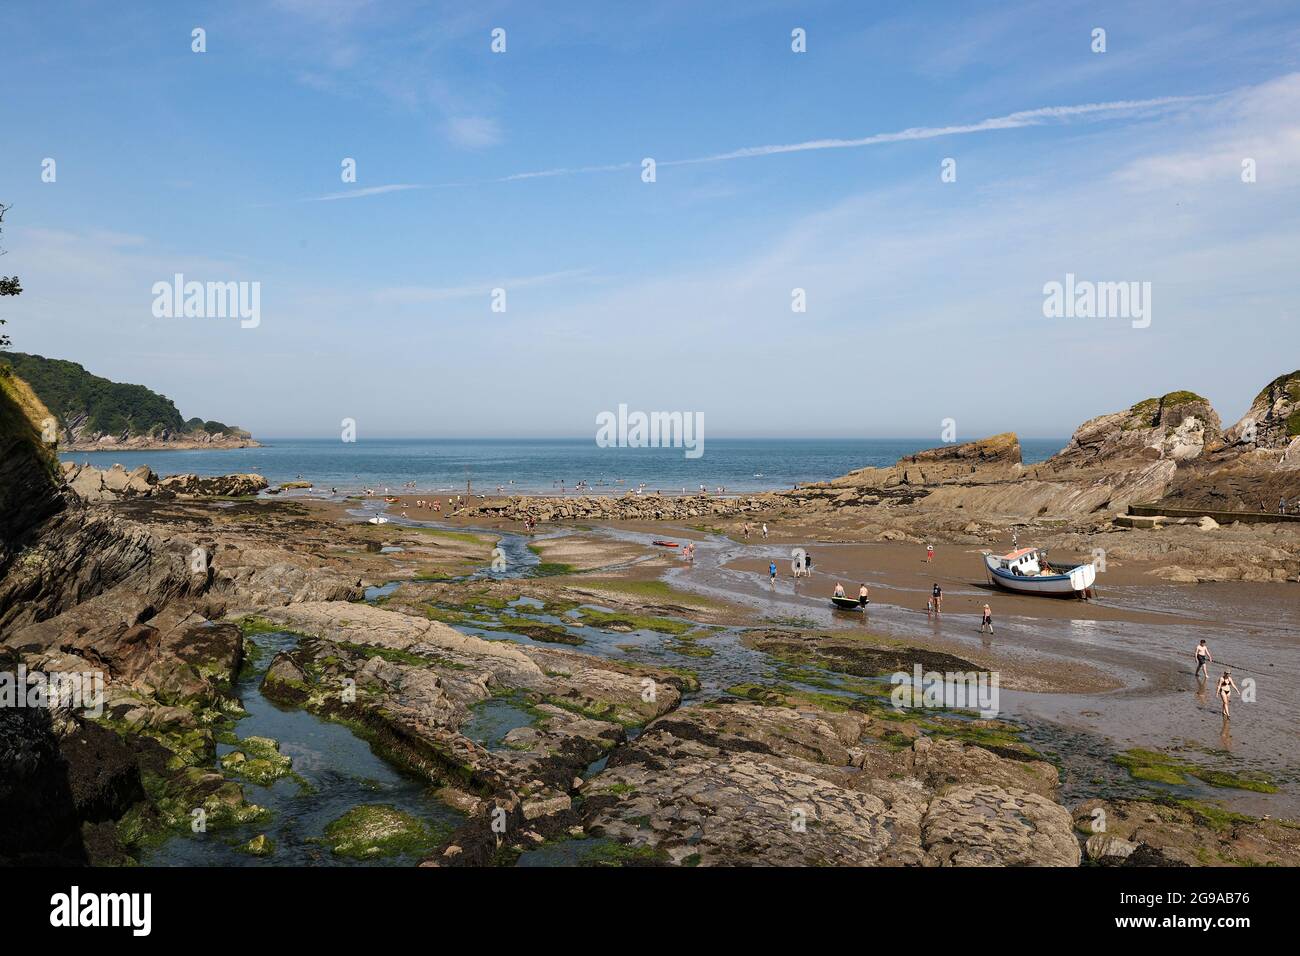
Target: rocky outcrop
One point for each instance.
(205, 486)
(1176, 427)
(1165, 833)
(75, 438)
(996, 457)
(744, 784)
(1273, 420)
(113, 484)
(94, 484)
(629, 507)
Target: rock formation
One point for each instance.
(1273, 420)
(113, 484)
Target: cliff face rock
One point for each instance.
(1177, 427)
(29, 489)
(1273, 420)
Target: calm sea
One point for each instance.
(539, 465)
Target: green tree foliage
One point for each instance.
(113, 408)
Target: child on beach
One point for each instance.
(771, 571)
(929, 553)
(936, 598)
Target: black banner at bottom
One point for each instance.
(329, 905)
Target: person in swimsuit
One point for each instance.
(987, 620)
(936, 598)
(839, 590)
(1226, 686)
(1203, 659)
(863, 599)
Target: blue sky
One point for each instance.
(924, 298)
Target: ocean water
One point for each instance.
(539, 465)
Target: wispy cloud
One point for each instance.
(1018, 120)
(472, 132)
(415, 295)
(368, 191)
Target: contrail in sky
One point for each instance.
(1017, 120)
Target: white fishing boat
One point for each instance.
(1028, 571)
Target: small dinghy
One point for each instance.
(1028, 572)
(378, 519)
(848, 603)
(665, 544)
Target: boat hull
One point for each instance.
(848, 604)
(1071, 583)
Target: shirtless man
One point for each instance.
(1203, 659)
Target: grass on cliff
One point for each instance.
(21, 417)
(1290, 381)
(1147, 409)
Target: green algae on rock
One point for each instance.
(378, 830)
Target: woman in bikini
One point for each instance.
(1226, 686)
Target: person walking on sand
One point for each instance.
(987, 620)
(929, 553)
(936, 596)
(764, 529)
(771, 573)
(1226, 686)
(1203, 659)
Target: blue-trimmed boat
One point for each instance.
(1027, 571)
